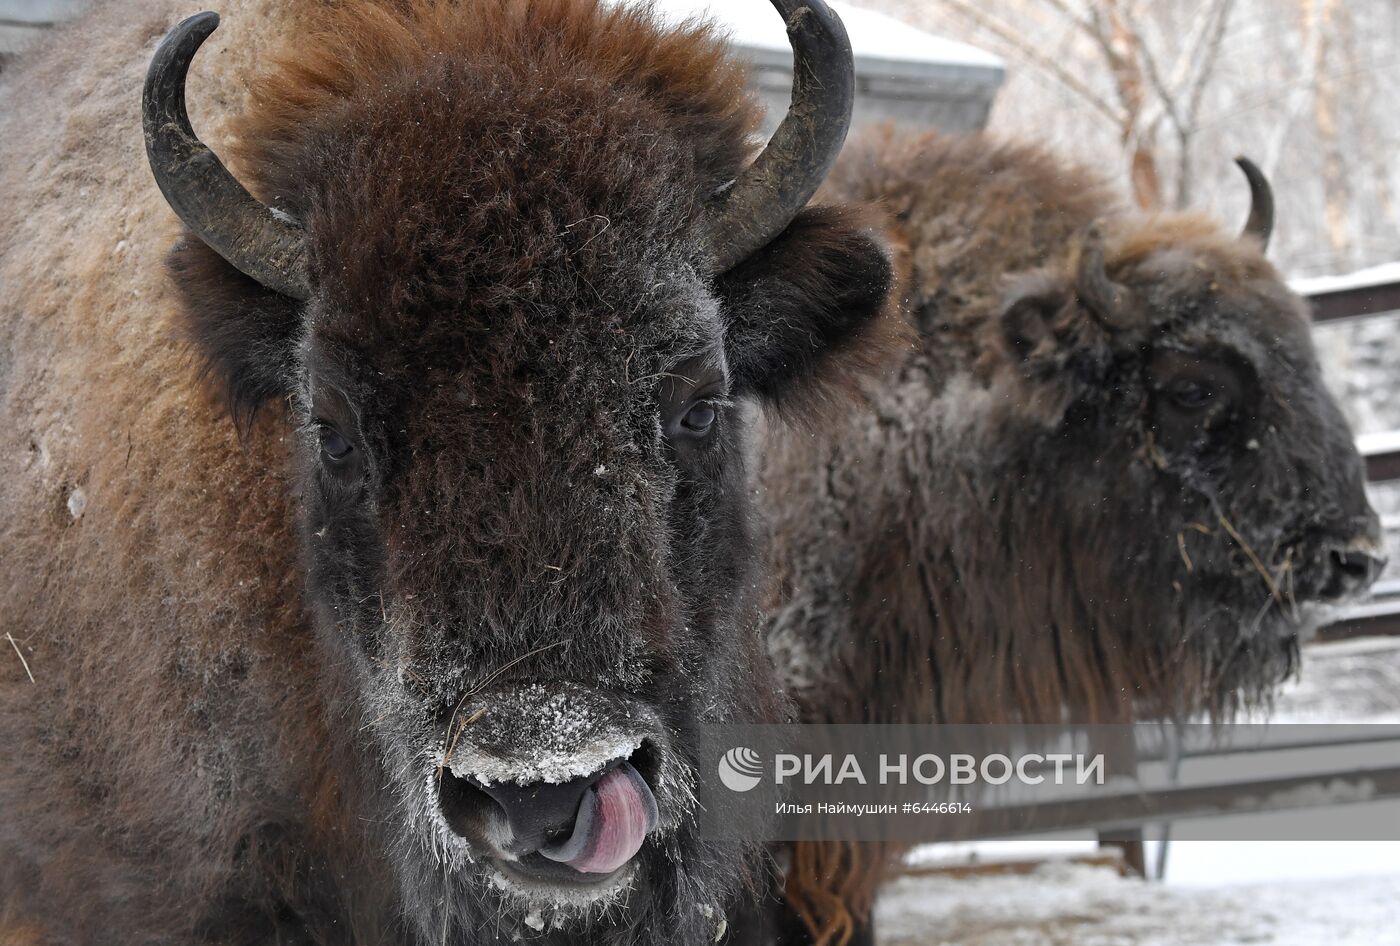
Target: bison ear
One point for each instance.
(812, 311)
(245, 332)
(1045, 344)
(1027, 316)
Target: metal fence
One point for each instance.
(1380, 615)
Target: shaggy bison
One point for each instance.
(1109, 485)
(418, 656)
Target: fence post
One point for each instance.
(1119, 747)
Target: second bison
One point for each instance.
(1108, 485)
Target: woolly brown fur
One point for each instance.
(244, 665)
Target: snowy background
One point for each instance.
(1067, 904)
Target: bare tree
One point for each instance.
(1146, 95)
(1172, 89)
(1321, 15)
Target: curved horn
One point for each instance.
(769, 193)
(1103, 297)
(1261, 203)
(199, 188)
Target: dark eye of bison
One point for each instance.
(693, 393)
(700, 418)
(1191, 395)
(335, 449)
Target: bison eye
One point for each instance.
(700, 418)
(1191, 395)
(334, 447)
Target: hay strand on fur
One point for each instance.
(20, 654)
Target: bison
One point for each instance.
(1109, 484)
(417, 649)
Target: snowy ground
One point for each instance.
(1347, 681)
(1214, 893)
(1065, 904)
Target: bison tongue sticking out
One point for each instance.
(613, 820)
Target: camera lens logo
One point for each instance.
(740, 769)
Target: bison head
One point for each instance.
(1171, 375)
(520, 299)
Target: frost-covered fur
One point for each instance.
(250, 664)
(1021, 522)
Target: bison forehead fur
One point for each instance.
(254, 665)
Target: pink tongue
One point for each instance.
(623, 811)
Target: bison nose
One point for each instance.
(539, 813)
(1354, 568)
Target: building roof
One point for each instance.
(876, 38)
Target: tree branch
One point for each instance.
(1068, 12)
(1031, 54)
(1166, 99)
(1207, 28)
(1208, 60)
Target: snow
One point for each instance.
(1361, 279)
(874, 36)
(1228, 863)
(1384, 441)
(1355, 681)
(1358, 363)
(1085, 905)
(558, 734)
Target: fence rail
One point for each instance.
(1120, 816)
(1355, 302)
(1382, 453)
(1380, 614)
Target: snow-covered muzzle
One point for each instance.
(557, 788)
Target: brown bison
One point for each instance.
(1109, 485)
(420, 655)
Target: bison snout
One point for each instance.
(557, 783)
(1353, 568)
(591, 825)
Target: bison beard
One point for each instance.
(1109, 486)
(494, 347)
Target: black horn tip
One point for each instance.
(1260, 224)
(203, 23)
(184, 39)
(1105, 298)
(163, 99)
(1248, 167)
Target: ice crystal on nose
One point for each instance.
(540, 733)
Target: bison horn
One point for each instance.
(765, 198)
(1103, 297)
(199, 188)
(1260, 224)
